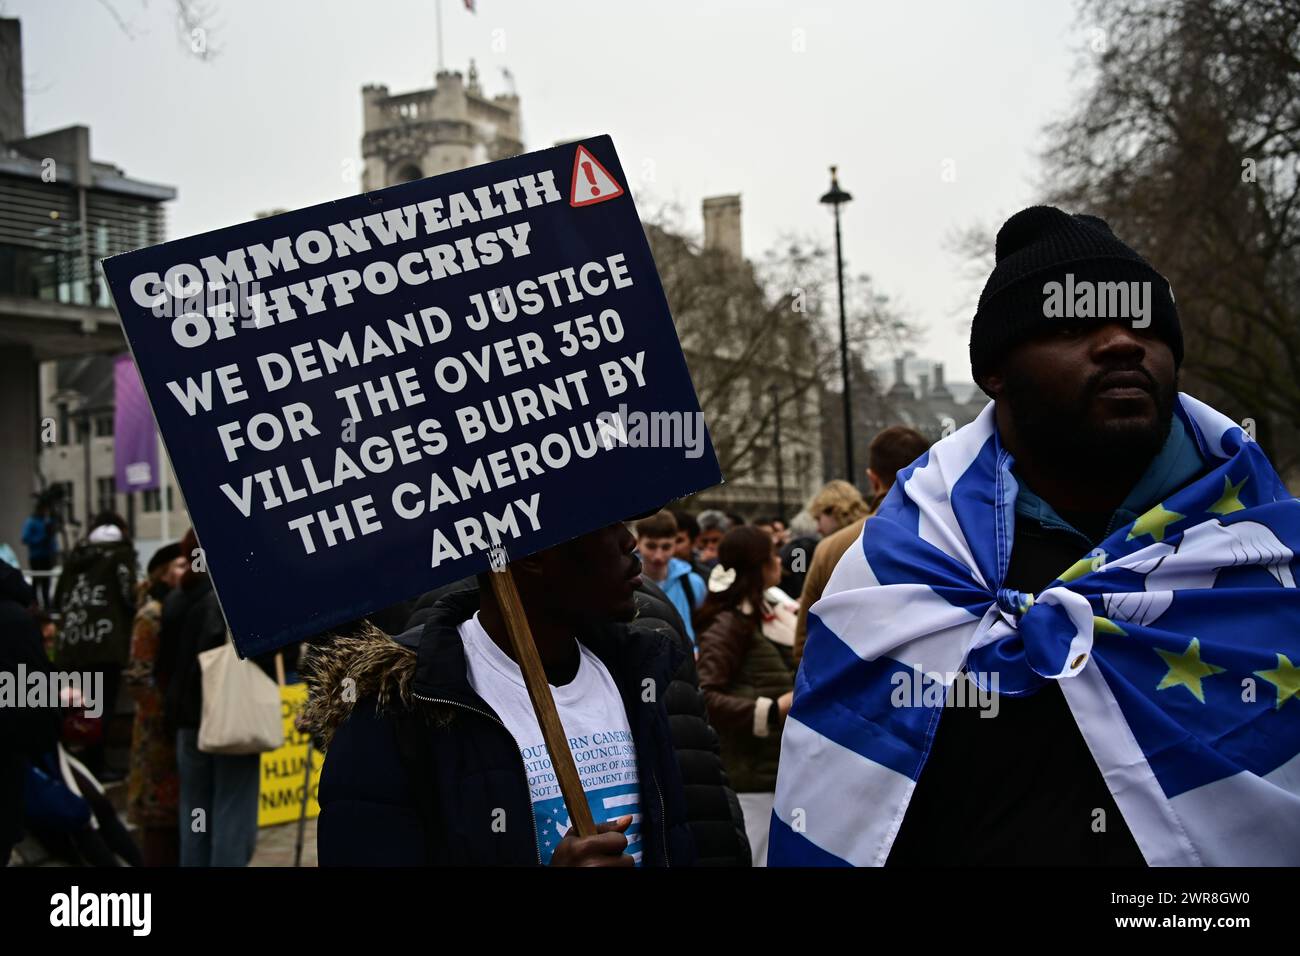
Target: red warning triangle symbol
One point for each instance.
(592, 182)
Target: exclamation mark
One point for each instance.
(591, 178)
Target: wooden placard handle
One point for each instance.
(539, 691)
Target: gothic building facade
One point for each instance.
(448, 126)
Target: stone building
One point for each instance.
(930, 406)
(448, 126)
(740, 389)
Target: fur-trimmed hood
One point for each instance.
(348, 669)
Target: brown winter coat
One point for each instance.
(742, 674)
(828, 553)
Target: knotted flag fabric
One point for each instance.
(1176, 644)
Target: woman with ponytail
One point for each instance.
(745, 666)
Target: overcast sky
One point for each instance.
(711, 97)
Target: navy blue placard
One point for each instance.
(344, 298)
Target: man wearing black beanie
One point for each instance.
(1077, 341)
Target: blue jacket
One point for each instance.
(685, 589)
(41, 543)
(419, 769)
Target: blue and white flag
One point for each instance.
(1176, 644)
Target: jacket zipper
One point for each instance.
(537, 845)
(663, 819)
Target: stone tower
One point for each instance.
(449, 126)
(722, 225)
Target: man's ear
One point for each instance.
(992, 384)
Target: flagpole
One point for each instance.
(437, 8)
(163, 503)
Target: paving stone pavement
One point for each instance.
(275, 845)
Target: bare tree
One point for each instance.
(1188, 142)
(744, 326)
(192, 20)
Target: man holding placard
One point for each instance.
(436, 758)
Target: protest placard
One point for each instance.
(362, 397)
(283, 772)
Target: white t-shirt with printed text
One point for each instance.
(595, 721)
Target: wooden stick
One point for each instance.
(539, 691)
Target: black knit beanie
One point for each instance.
(164, 555)
(1042, 244)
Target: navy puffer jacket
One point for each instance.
(418, 767)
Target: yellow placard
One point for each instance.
(284, 769)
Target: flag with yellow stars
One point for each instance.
(1176, 644)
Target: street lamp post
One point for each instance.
(776, 448)
(836, 197)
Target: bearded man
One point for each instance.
(1068, 635)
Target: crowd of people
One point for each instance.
(724, 595)
(677, 647)
(771, 654)
(673, 633)
(119, 632)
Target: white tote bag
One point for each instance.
(241, 705)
